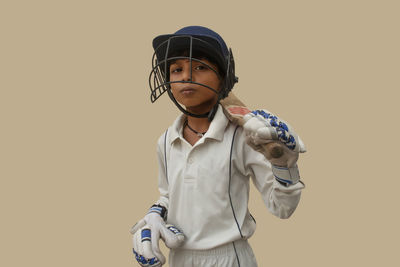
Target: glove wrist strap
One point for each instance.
(286, 176)
(157, 208)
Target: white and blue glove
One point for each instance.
(262, 127)
(147, 233)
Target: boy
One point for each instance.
(205, 161)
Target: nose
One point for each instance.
(187, 73)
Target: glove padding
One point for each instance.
(262, 127)
(146, 236)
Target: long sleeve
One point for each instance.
(280, 200)
(162, 173)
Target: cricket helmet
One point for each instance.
(193, 43)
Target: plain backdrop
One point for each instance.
(78, 131)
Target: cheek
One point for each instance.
(172, 77)
(215, 83)
(173, 87)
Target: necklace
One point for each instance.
(193, 130)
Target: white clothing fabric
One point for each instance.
(206, 188)
(234, 254)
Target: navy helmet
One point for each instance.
(186, 43)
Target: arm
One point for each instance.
(281, 200)
(162, 172)
(276, 178)
(147, 232)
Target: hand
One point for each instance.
(262, 127)
(146, 236)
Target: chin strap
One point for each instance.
(214, 109)
(212, 112)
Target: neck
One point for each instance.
(199, 124)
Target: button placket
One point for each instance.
(189, 175)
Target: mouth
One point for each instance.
(187, 91)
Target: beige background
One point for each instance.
(78, 132)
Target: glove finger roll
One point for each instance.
(172, 236)
(137, 226)
(155, 237)
(301, 145)
(137, 249)
(268, 133)
(138, 241)
(283, 129)
(253, 124)
(146, 243)
(142, 248)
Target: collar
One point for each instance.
(215, 131)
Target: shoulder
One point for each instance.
(171, 133)
(162, 137)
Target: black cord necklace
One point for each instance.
(193, 130)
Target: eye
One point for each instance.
(175, 69)
(200, 67)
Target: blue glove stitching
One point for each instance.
(282, 129)
(144, 261)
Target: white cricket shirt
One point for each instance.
(206, 188)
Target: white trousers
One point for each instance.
(234, 254)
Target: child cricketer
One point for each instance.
(206, 161)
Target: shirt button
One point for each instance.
(190, 160)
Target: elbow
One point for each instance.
(283, 205)
(283, 212)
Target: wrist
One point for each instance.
(286, 175)
(160, 210)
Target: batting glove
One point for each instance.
(262, 127)
(146, 235)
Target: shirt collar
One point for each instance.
(215, 131)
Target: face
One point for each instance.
(196, 98)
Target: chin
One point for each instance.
(199, 109)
